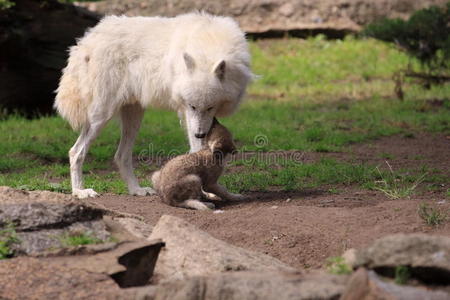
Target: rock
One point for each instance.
(248, 285)
(130, 264)
(275, 16)
(427, 256)
(32, 278)
(366, 285)
(42, 219)
(349, 257)
(192, 252)
(80, 277)
(34, 39)
(136, 227)
(37, 242)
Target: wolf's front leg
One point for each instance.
(223, 193)
(131, 116)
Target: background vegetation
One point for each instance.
(313, 95)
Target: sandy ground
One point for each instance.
(315, 224)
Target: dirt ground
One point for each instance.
(316, 224)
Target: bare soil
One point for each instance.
(304, 228)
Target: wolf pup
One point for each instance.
(187, 179)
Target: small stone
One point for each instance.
(274, 207)
(288, 200)
(218, 211)
(349, 257)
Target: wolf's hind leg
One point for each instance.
(77, 154)
(131, 116)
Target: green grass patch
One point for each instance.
(430, 215)
(396, 185)
(402, 274)
(338, 266)
(8, 237)
(72, 240)
(289, 175)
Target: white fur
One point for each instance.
(196, 64)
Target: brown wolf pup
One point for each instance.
(187, 179)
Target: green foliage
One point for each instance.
(402, 274)
(338, 266)
(8, 237)
(289, 175)
(425, 35)
(72, 240)
(6, 4)
(431, 215)
(395, 185)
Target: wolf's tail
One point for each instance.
(69, 102)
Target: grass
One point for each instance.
(313, 95)
(402, 274)
(72, 240)
(288, 175)
(395, 185)
(430, 215)
(338, 266)
(8, 237)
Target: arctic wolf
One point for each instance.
(185, 180)
(196, 64)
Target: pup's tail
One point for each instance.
(155, 180)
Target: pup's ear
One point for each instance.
(189, 61)
(219, 69)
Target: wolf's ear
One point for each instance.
(219, 70)
(189, 61)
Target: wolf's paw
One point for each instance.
(142, 191)
(86, 193)
(237, 197)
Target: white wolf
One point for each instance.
(196, 64)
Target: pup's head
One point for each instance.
(203, 90)
(220, 140)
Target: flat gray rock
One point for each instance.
(428, 256)
(192, 252)
(248, 285)
(367, 285)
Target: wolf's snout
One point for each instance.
(200, 135)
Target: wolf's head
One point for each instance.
(204, 90)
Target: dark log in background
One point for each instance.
(34, 40)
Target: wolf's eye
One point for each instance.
(193, 107)
(209, 109)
